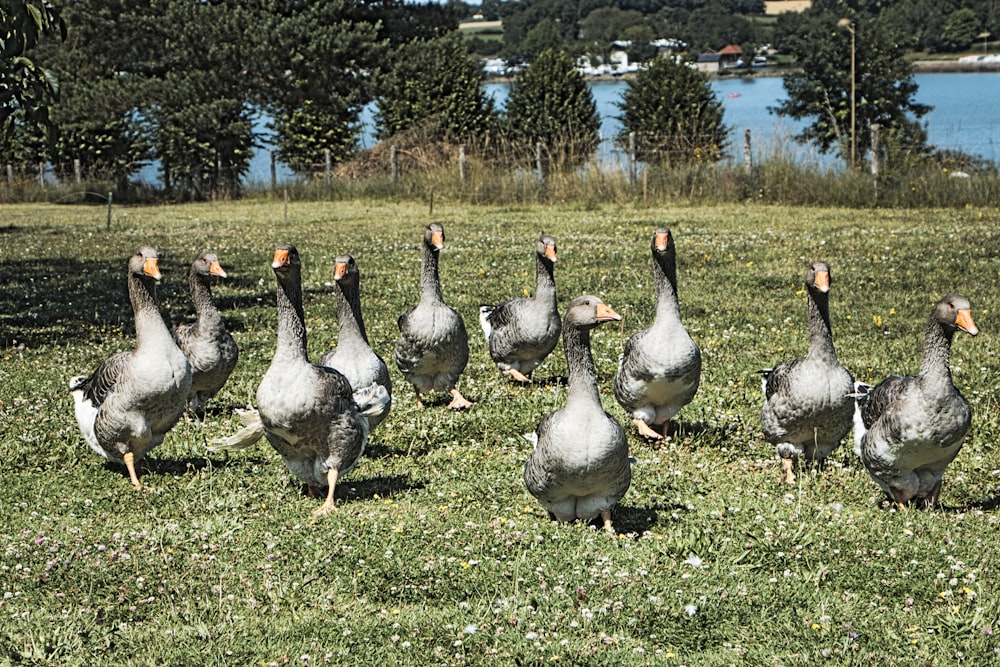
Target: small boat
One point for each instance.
(733, 95)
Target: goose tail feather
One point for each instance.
(253, 429)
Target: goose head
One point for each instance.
(663, 242)
(207, 264)
(145, 263)
(434, 237)
(345, 270)
(286, 258)
(954, 312)
(547, 248)
(586, 312)
(818, 277)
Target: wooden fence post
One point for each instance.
(110, 199)
(876, 149)
(10, 174)
(633, 163)
(394, 164)
(76, 171)
(539, 164)
(461, 163)
(328, 167)
(41, 175)
(747, 153)
(274, 170)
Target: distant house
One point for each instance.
(707, 62)
(730, 56)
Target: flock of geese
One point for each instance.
(318, 416)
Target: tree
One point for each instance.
(97, 114)
(674, 114)
(26, 89)
(960, 29)
(550, 103)
(883, 83)
(315, 76)
(434, 85)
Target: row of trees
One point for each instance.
(186, 80)
(530, 26)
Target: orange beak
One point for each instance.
(152, 268)
(964, 322)
(661, 241)
(340, 270)
(550, 252)
(605, 314)
(280, 259)
(437, 239)
(216, 270)
(822, 281)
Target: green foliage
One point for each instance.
(435, 84)
(714, 26)
(313, 75)
(822, 90)
(27, 90)
(674, 114)
(960, 29)
(551, 103)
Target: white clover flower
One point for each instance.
(690, 609)
(694, 561)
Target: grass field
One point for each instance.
(436, 554)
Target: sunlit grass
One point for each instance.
(436, 553)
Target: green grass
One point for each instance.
(436, 553)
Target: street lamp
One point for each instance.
(847, 24)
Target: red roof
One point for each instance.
(731, 50)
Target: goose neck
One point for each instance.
(665, 289)
(349, 317)
(201, 296)
(430, 281)
(545, 283)
(150, 329)
(935, 364)
(291, 319)
(580, 362)
(820, 331)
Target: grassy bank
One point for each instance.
(436, 553)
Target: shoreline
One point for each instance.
(919, 67)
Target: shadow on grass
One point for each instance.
(384, 487)
(630, 519)
(52, 300)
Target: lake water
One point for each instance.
(966, 117)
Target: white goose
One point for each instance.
(580, 468)
(126, 406)
(660, 368)
(522, 332)
(433, 346)
(209, 348)
(808, 407)
(916, 425)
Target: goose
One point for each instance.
(306, 412)
(660, 369)
(808, 407)
(209, 348)
(915, 425)
(522, 332)
(433, 346)
(127, 405)
(579, 468)
(353, 356)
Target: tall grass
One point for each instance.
(436, 553)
